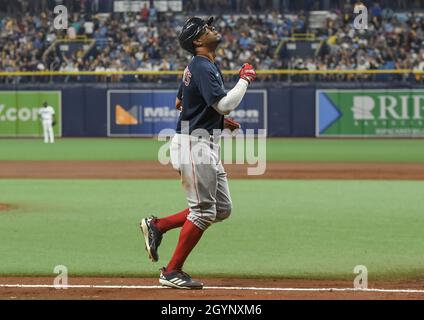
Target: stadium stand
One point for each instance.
(272, 35)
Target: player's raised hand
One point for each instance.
(247, 72)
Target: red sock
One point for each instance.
(189, 236)
(171, 222)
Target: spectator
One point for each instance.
(152, 14)
(144, 13)
(89, 28)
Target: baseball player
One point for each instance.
(195, 151)
(47, 117)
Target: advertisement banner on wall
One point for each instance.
(147, 112)
(19, 112)
(370, 113)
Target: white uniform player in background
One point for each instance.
(48, 120)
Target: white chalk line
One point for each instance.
(39, 286)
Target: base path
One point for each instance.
(154, 170)
(216, 289)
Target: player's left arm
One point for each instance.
(233, 98)
(179, 98)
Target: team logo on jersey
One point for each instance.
(186, 77)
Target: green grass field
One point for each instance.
(277, 150)
(291, 229)
(279, 228)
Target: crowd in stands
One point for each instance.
(137, 42)
(246, 6)
(215, 7)
(147, 40)
(390, 42)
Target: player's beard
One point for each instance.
(219, 39)
(216, 43)
(212, 43)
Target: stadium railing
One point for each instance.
(406, 75)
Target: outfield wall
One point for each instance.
(285, 110)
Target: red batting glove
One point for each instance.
(247, 72)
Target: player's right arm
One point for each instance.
(178, 104)
(233, 98)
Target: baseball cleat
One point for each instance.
(152, 237)
(179, 280)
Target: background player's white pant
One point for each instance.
(203, 178)
(48, 131)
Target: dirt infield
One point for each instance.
(154, 170)
(216, 289)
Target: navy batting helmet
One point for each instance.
(191, 29)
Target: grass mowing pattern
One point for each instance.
(296, 229)
(277, 150)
